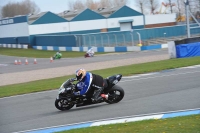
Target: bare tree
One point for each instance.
(92, 4)
(153, 5)
(141, 4)
(105, 3)
(119, 2)
(179, 7)
(19, 8)
(78, 4)
(0, 12)
(194, 5)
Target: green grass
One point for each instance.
(54, 83)
(184, 124)
(40, 53)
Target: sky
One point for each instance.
(55, 6)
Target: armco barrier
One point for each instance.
(162, 115)
(84, 49)
(103, 49)
(14, 46)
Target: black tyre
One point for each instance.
(62, 104)
(115, 94)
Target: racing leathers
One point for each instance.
(91, 84)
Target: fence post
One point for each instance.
(101, 41)
(95, 40)
(84, 40)
(115, 39)
(124, 39)
(90, 40)
(76, 40)
(132, 39)
(108, 40)
(139, 37)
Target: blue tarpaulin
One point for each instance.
(188, 50)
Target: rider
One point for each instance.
(90, 52)
(90, 83)
(58, 54)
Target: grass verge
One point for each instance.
(40, 53)
(54, 83)
(184, 124)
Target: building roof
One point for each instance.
(71, 14)
(34, 17)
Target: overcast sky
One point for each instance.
(55, 6)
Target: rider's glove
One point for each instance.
(72, 79)
(77, 93)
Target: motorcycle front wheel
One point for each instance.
(115, 94)
(63, 104)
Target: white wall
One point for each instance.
(160, 18)
(49, 28)
(82, 25)
(88, 25)
(14, 30)
(114, 22)
(98, 24)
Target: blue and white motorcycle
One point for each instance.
(66, 98)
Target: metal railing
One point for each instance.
(108, 39)
(131, 38)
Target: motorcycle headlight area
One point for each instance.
(61, 90)
(67, 90)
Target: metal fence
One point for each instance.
(130, 38)
(109, 39)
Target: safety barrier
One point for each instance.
(84, 49)
(23, 46)
(103, 49)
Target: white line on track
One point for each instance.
(131, 116)
(161, 76)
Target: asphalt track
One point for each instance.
(170, 90)
(7, 62)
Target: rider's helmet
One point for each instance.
(80, 74)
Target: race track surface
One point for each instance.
(171, 90)
(44, 69)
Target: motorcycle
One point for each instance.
(66, 98)
(89, 53)
(57, 56)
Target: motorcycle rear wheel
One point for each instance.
(115, 95)
(62, 104)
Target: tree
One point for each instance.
(119, 2)
(180, 7)
(93, 4)
(78, 4)
(141, 4)
(19, 8)
(0, 13)
(153, 5)
(105, 3)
